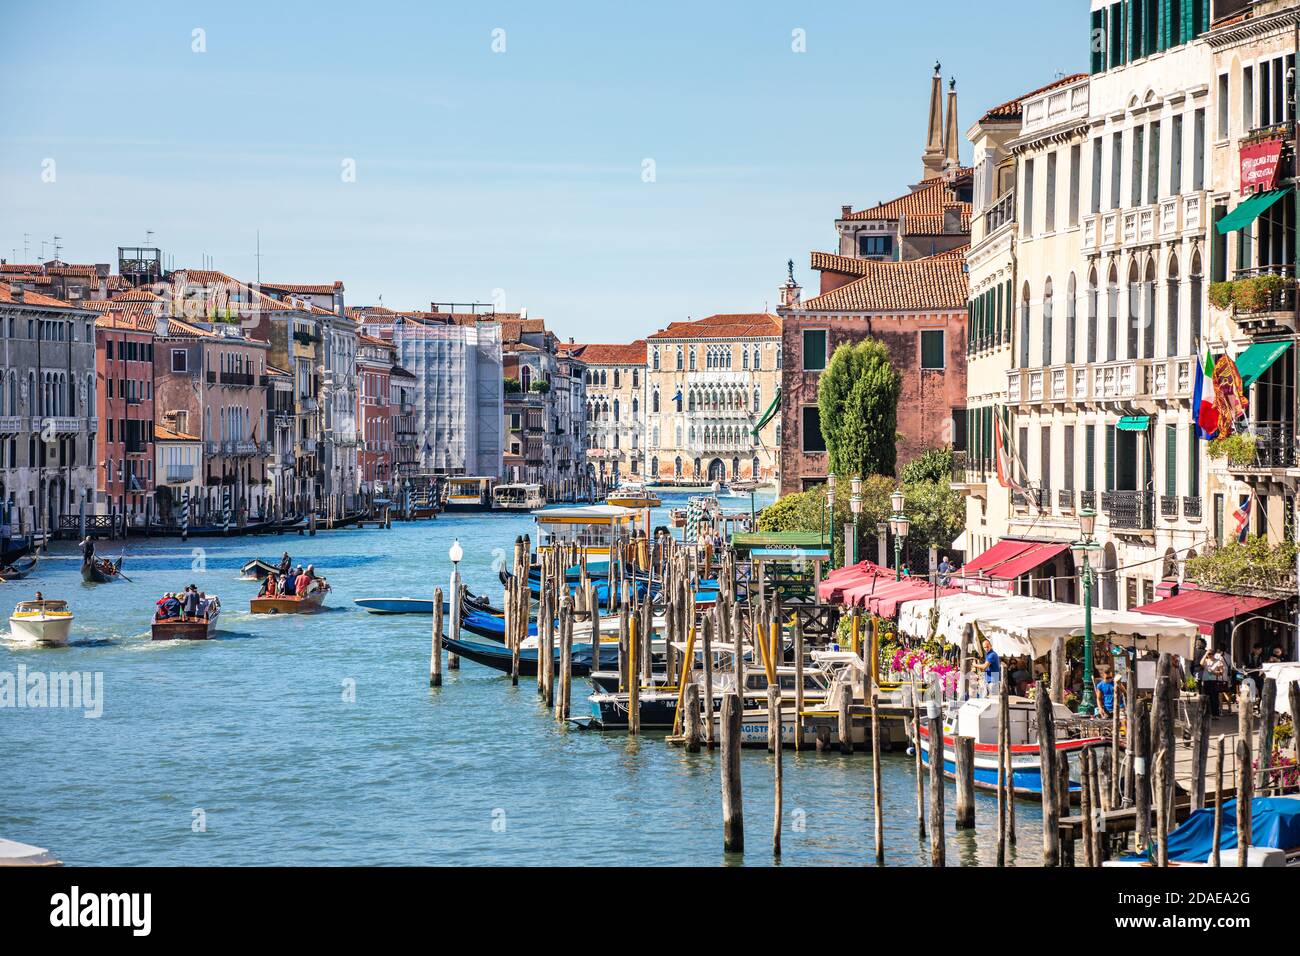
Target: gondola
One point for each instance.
(473, 602)
(92, 573)
(257, 570)
(18, 570)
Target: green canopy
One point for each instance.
(771, 411)
(1134, 423)
(1257, 360)
(1248, 210)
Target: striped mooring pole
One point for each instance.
(225, 512)
(185, 516)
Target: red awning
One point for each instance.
(830, 590)
(883, 596)
(1007, 560)
(1207, 608)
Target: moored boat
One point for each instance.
(498, 656)
(257, 570)
(197, 628)
(518, 498)
(399, 605)
(978, 718)
(19, 569)
(633, 495)
(468, 493)
(41, 622)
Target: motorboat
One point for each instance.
(41, 622)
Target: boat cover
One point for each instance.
(1274, 823)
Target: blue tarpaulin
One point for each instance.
(1274, 822)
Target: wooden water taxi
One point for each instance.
(518, 498)
(290, 604)
(41, 622)
(472, 493)
(189, 628)
(633, 495)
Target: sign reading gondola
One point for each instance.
(1259, 165)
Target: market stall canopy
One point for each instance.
(1009, 559)
(831, 590)
(1284, 674)
(1206, 608)
(882, 596)
(1022, 625)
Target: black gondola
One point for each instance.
(473, 602)
(94, 574)
(18, 570)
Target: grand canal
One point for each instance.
(316, 740)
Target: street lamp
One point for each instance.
(1082, 550)
(855, 505)
(830, 509)
(456, 552)
(900, 524)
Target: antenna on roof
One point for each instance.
(27, 236)
(58, 248)
(258, 256)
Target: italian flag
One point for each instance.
(1206, 415)
(1004, 458)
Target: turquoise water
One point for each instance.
(317, 740)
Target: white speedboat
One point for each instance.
(41, 622)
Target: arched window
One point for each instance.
(654, 401)
(690, 401)
(677, 466)
(1024, 327)
(1112, 314)
(616, 409)
(1134, 316)
(636, 406)
(1091, 347)
(1047, 323)
(1149, 310)
(1172, 287)
(1071, 321)
(654, 467)
(526, 378)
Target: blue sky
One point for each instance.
(516, 174)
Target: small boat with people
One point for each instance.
(41, 621)
(633, 494)
(18, 570)
(257, 569)
(101, 570)
(189, 614)
(300, 591)
(518, 498)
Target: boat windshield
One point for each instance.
(35, 607)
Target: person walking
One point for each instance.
(1214, 671)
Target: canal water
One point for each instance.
(316, 739)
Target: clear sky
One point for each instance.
(518, 174)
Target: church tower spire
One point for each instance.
(932, 158)
(951, 151)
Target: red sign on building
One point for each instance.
(1259, 162)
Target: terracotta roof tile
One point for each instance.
(163, 433)
(1012, 110)
(725, 325)
(304, 289)
(911, 286)
(928, 199)
(31, 298)
(633, 353)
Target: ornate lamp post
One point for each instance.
(900, 525)
(830, 510)
(855, 505)
(1082, 550)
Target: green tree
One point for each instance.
(857, 397)
(1251, 565)
(932, 465)
(806, 511)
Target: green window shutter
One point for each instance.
(1193, 464)
(1186, 17)
(1204, 25)
(932, 349)
(1110, 457)
(814, 349)
(1171, 460)
(1165, 27)
(1090, 458)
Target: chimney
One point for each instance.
(17, 292)
(846, 211)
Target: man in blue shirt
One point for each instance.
(991, 665)
(1106, 694)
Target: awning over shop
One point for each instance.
(1248, 210)
(831, 589)
(882, 597)
(1206, 608)
(1021, 625)
(1258, 359)
(1007, 560)
(1134, 423)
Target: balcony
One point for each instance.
(236, 378)
(1260, 301)
(1124, 381)
(306, 338)
(307, 446)
(307, 405)
(1129, 510)
(1169, 507)
(1172, 378)
(244, 448)
(1088, 499)
(1000, 213)
(969, 475)
(1065, 499)
(1275, 450)
(179, 474)
(1192, 507)
(11, 424)
(212, 448)
(61, 425)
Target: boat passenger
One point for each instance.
(285, 564)
(268, 585)
(991, 665)
(170, 607)
(40, 596)
(301, 584)
(190, 603)
(203, 606)
(287, 583)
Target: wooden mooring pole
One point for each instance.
(877, 792)
(1048, 776)
(435, 657)
(964, 754)
(733, 816)
(775, 718)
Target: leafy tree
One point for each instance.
(933, 465)
(857, 396)
(938, 513)
(1252, 565)
(806, 511)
